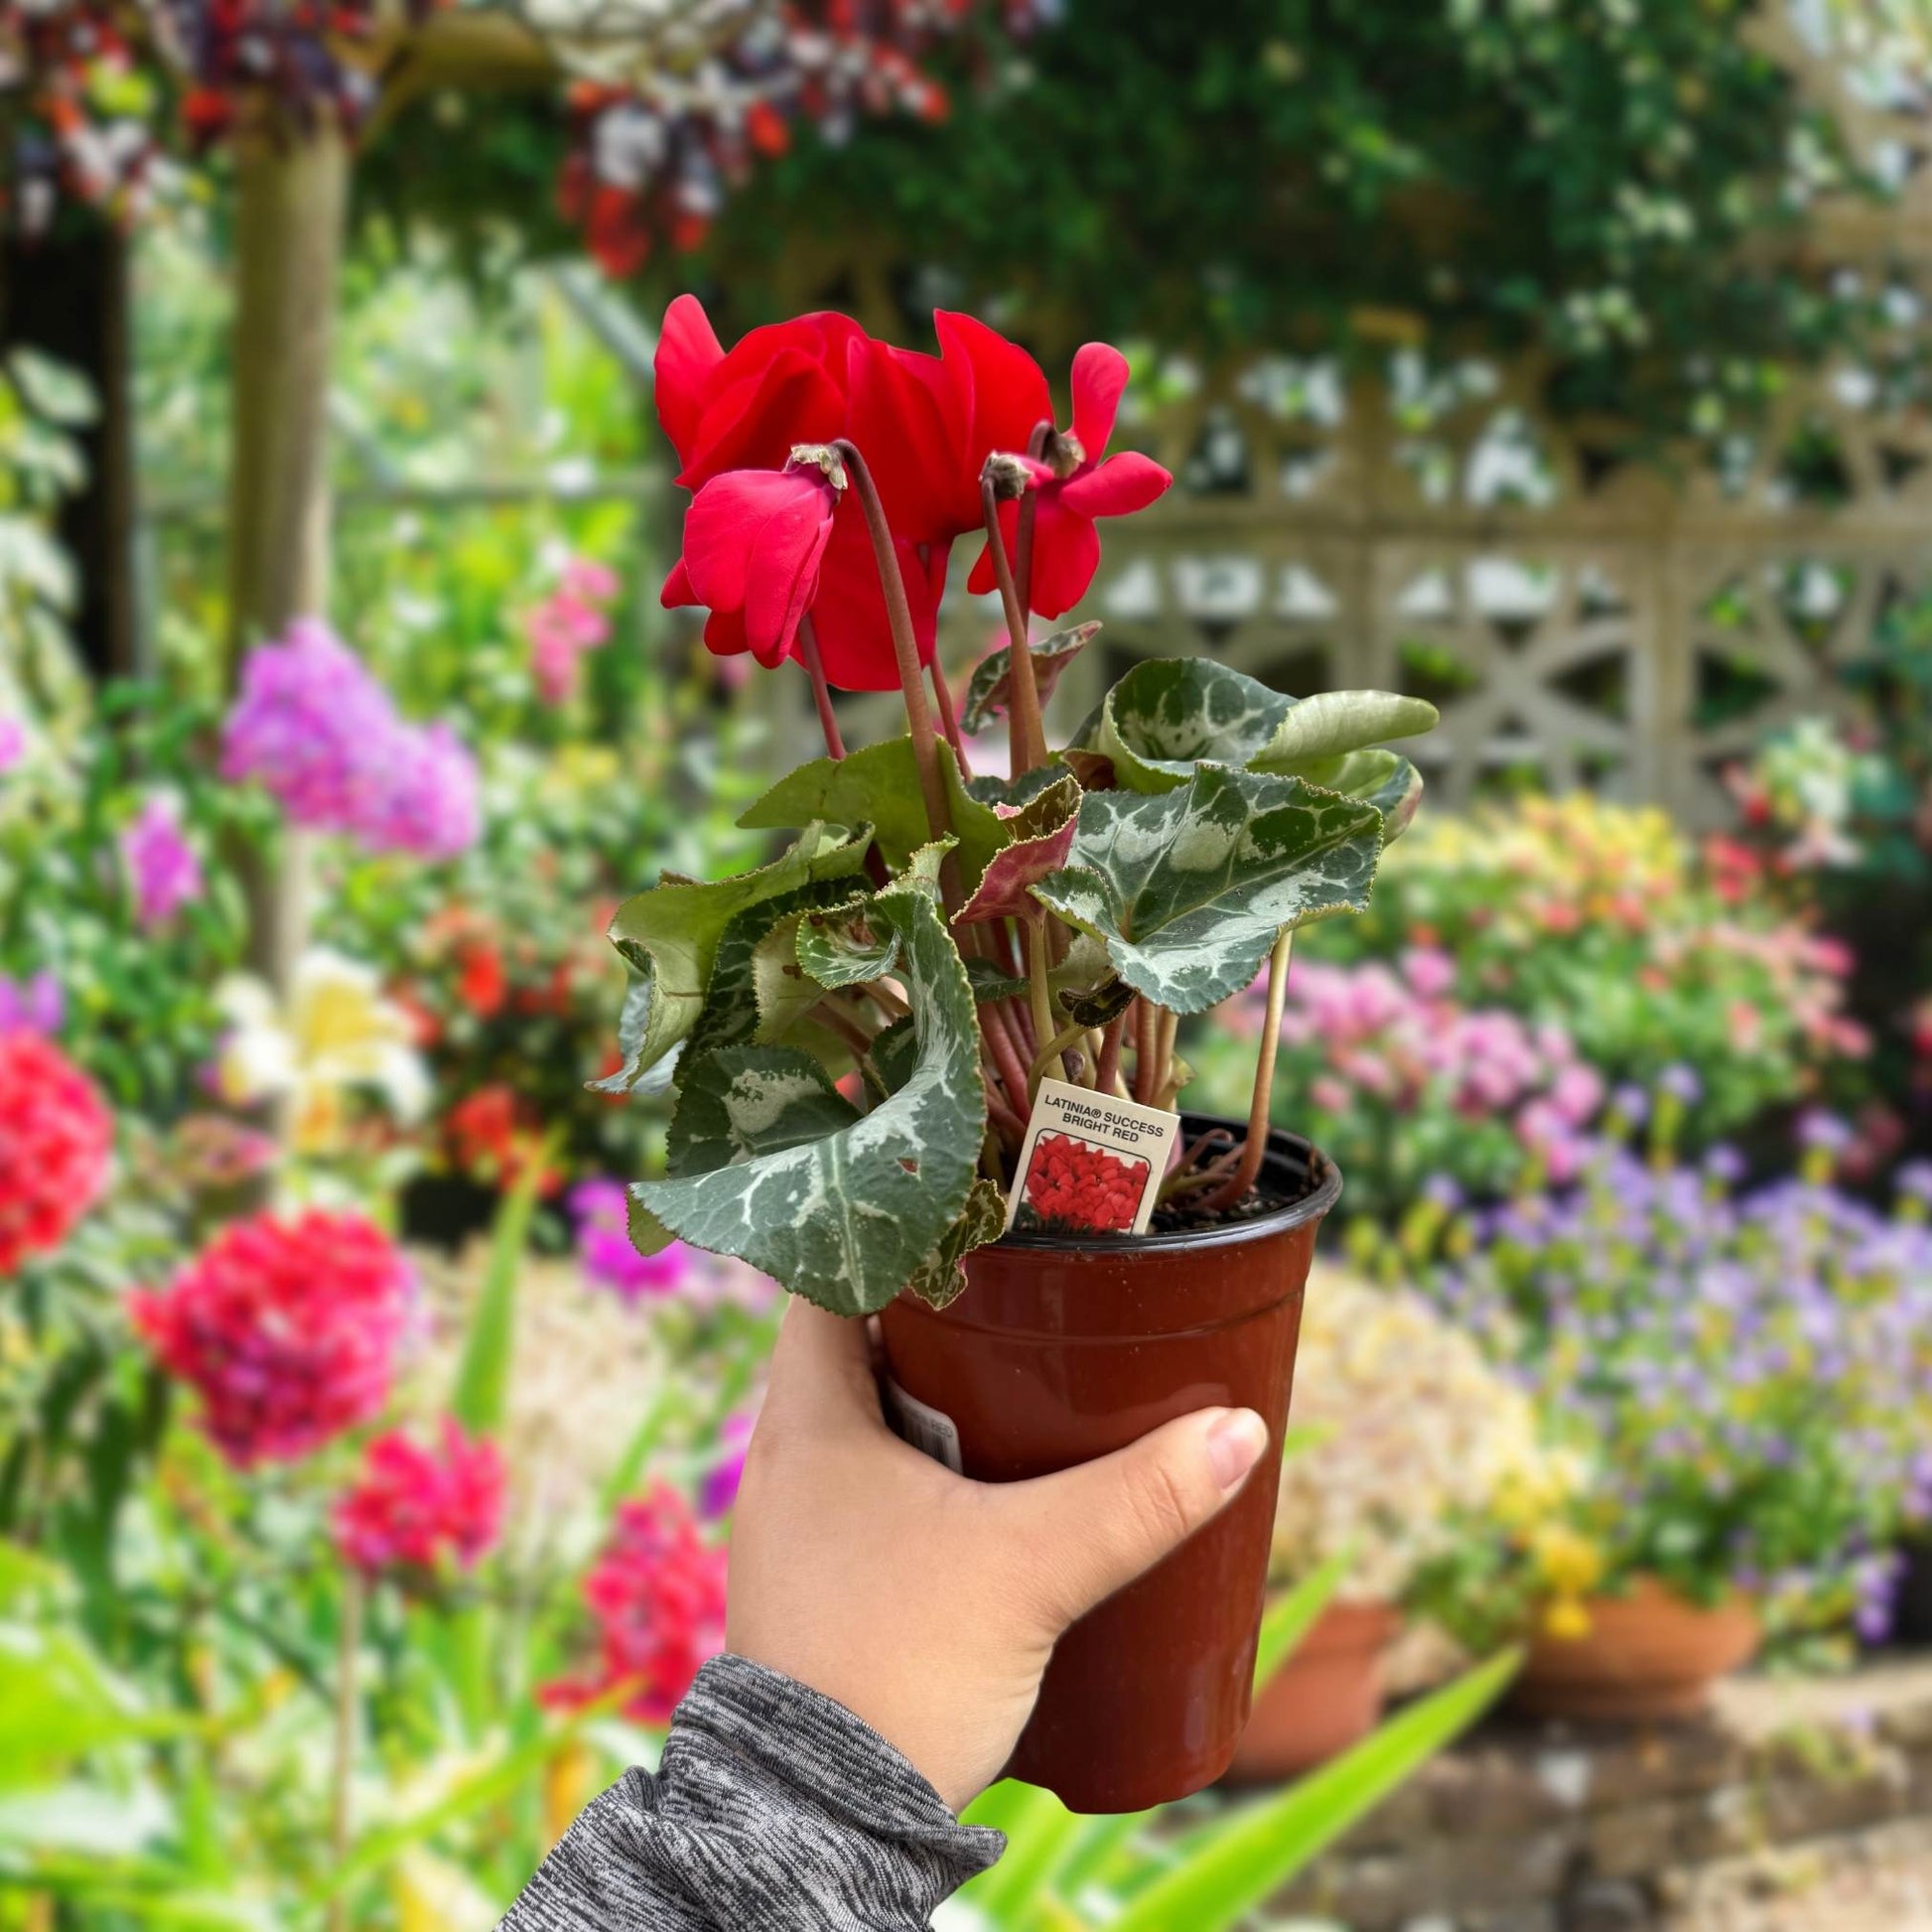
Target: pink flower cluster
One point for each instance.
(289, 1329)
(572, 620)
(1398, 1034)
(418, 1506)
(317, 731)
(56, 1137)
(161, 866)
(657, 1595)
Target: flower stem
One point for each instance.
(906, 647)
(349, 1651)
(1023, 536)
(1109, 1072)
(948, 717)
(1164, 1034)
(995, 1030)
(1042, 1004)
(1028, 732)
(1243, 1178)
(821, 691)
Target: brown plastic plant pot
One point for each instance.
(1059, 1350)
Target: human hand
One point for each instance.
(927, 1604)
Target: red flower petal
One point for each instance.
(688, 353)
(677, 591)
(1066, 553)
(1099, 376)
(1006, 388)
(753, 423)
(910, 416)
(854, 637)
(1119, 486)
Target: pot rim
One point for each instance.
(1283, 1146)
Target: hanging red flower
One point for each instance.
(1087, 484)
(56, 1136)
(753, 542)
(289, 1329)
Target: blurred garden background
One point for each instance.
(363, 1493)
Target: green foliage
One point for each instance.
(989, 692)
(1571, 179)
(847, 1217)
(1189, 890)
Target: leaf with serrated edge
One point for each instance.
(730, 1007)
(1100, 1005)
(1043, 835)
(740, 1102)
(1333, 721)
(991, 982)
(1189, 889)
(940, 1278)
(671, 935)
(847, 1220)
(630, 1076)
(879, 785)
(1395, 798)
(992, 789)
(1169, 714)
(990, 693)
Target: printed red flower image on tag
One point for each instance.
(1073, 1186)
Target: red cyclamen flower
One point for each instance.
(417, 1507)
(1089, 484)
(753, 542)
(56, 1136)
(659, 1596)
(288, 1328)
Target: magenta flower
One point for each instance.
(160, 864)
(314, 728)
(33, 1006)
(13, 743)
(606, 1252)
(719, 1489)
(289, 1329)
(418, 1508)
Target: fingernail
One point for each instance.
(1235, 1441)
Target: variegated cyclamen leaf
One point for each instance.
(1395, 798)
(1168, 714)
(992, 789)
(740, 1102)
(671, 935)
(896, 1052)
(939, 1276)
(1333, 722)
(731, 1006)
(1101, 1005)
(879, 785)
(992, 982)
(989, 695)
(845, 947)
(1189, 889)
(630, 1076)
(1042, 836)
(846, 1220)
(649, 1235)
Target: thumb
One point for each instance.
(1089, 1531)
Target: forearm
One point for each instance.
(774, 1808)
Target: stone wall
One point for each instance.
(1798, 1807)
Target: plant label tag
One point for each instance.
(1091, 1163)
(930, 1431)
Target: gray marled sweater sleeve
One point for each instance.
(775, 1810)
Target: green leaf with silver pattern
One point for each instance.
(1189, 889)
(848, 1219)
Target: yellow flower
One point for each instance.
(1567, 1620)
(1570, 1563)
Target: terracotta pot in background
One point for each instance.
(1059, 1351)
(1327, 1697)
(1649, 1653)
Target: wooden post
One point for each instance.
(291, 201)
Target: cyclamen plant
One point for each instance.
(950, 939)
